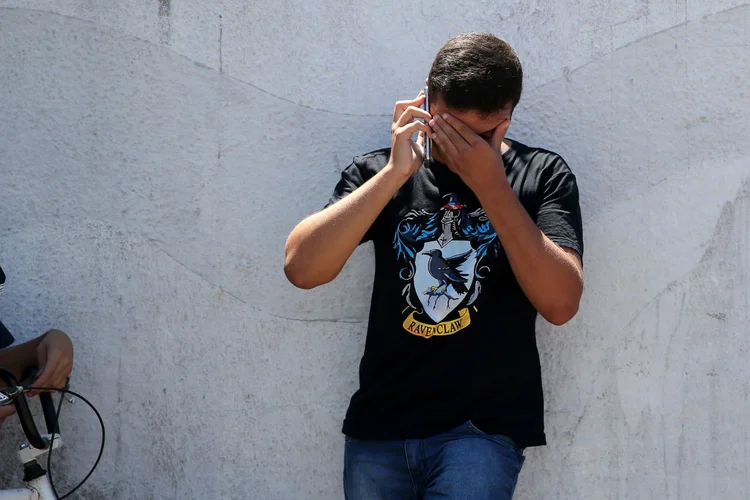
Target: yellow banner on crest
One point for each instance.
(416, 327)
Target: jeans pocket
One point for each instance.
(498, 438)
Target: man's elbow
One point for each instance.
(297, 277)
(299, 274)
(295, 270)
(562, 313)
(303, 268)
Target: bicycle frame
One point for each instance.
(38, 488)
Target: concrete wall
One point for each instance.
(154, 155)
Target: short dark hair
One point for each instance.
(478, 72)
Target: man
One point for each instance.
(468, 250)
(52, 353)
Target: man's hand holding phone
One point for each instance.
(407, 155)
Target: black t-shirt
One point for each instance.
(6, 338)
(451, 335)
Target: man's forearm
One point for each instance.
(549, 275)
(320, 245)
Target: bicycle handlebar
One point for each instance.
(48, 407)
(50, 415)
(24, 414)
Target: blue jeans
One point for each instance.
(463, 463)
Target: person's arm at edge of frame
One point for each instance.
(52, 352)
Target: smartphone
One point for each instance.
(427, 140)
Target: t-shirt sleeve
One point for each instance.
(353, 177)
(6, 338)
(559, 215)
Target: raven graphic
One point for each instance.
(446, 270)
(445, 254)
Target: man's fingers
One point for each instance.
(54, 380)
(457, 138)
(446, 140)
(61, 375)
(47, 365)
(41, 359)
(401, 106)
(43, 380)
(443, 126)
(498, 136)
(408, 130)
(468, 135)
(418, 147)
(410, 113)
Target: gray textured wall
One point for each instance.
(154, 155)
